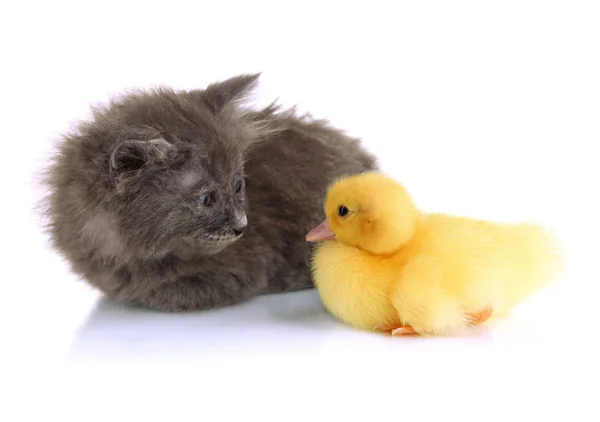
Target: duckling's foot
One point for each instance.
(396, 329)
(407, 329)
(474, 318)
(480, 317)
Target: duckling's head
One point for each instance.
(370, 211)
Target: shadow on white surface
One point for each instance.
(278, 325)
(116, 329)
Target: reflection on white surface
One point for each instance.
(284, 324)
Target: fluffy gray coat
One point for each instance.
(180, 200)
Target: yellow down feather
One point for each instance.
(393, 265)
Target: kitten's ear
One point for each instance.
(131, 155)
(233, 90)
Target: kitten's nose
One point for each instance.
(240, 223)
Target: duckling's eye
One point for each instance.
(342, 211)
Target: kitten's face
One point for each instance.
(177, 172)
(179, 194)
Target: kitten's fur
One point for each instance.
(147, 200)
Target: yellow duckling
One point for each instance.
(385, 265)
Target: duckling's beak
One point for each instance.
(321, 232)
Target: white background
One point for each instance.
(487, 109)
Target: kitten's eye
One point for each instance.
(239, 186)
(207, 199)
(342, 211)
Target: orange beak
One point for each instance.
(321, 232)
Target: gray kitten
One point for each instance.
(180, 200)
